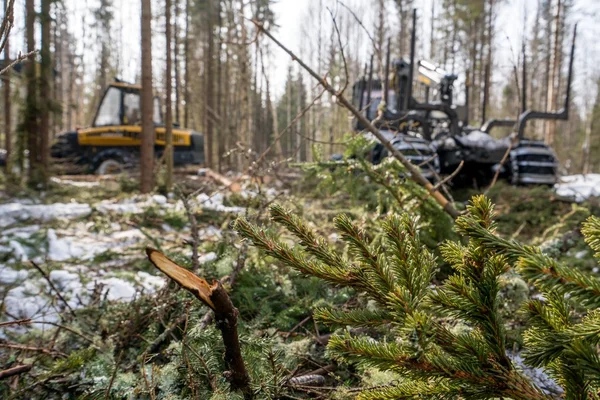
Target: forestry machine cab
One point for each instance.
(113, 141)
(421, 129)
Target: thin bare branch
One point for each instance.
(47, 278)
(20, 58)
(339, 37)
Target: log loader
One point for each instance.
(441, 127)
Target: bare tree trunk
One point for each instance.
(209, 100)
(488, 62)
(454, 37)
(380, 35)
(221, 137)
(176, 62)
(186, 50)
(552, 89)
(168, 102)
(432, 33)
(45, 78)
(7, 105)
(147, 147)
(244, 86)
(31, 121)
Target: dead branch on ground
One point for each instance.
(19, 369)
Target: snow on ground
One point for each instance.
(80, 184)
(537, 376)
(579, 187)
(70, 248)
(12, 213)
(73, 245)
(215, 203)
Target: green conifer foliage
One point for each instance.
(410, 329)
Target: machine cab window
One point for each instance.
(109, 110)
(121, 106)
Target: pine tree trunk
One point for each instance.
(186, 93)
(176, 61)
(488, 61)
(168, 101)
(244, 86)
(432, 33)
(45, 78)
(221, 137)
(147, 147)
(552, 89)
(7, 105)
(31, 122)
(209, 81)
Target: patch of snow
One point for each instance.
(22, 232)
(579, 187)
(166, 228)
(210, 232)
(538, 296)
(75, 183)
(26, 301)
(18, 251)
(595, 270)
(11, 213)
(159, 199)
(9, 275)
(58, 250)
(65, 281)
(132, 205)
(117, 289)
(208, 257)
(537, 375)
(85, 246)
(215, 202)
(106, 207)
(150, 283)
(581, 254)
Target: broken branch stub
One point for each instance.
(186, 279)
(226, 315)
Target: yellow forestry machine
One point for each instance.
(112, 143)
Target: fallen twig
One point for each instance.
(19, 369)
(29, 348)
(513, 141)
(17, 322)
(47, 278)
(194, 229)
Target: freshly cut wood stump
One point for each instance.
(226, 315)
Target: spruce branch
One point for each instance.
(280, 251)
(591, 232)
(396, 271)
(313, 244)
(545, 272)
(358, 318)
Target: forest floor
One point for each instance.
(85, 238)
